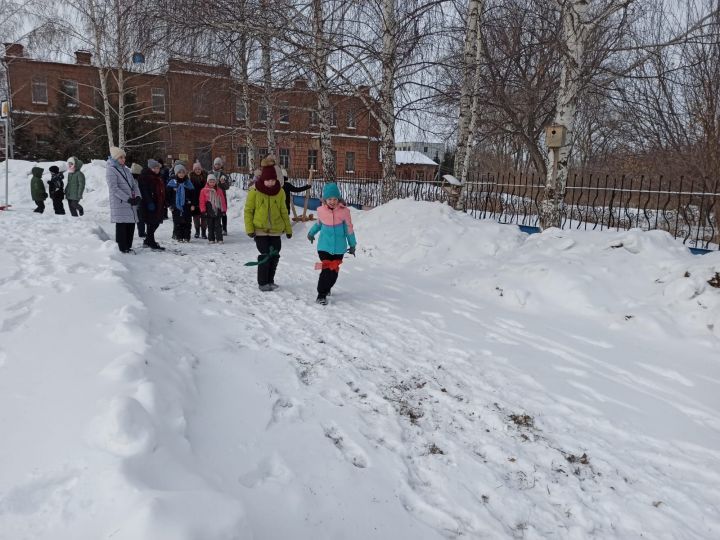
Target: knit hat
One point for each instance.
(54, 169)
(116, 153)
(331, 191)
(211, 177)
(152, 163)
(268, 172)
(180, 168)
(268, 160)
(136, 168)
(218, 161)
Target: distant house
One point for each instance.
(413, 165)
(433, 150)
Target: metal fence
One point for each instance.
(688, 209)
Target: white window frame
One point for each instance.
(347, 160)
(72, 101)
(284, 117)
(240, 111)
(284, 158)
(351, 120)
(39, 82)
(155, 106)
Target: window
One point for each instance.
(333, 117)
(284, 112)
(351, 120)
(314, 118)
(158, 100)
(39, 90)
(262, 152)
(349, 161)
(262, 112)
(425, 150)
(242, 157)
(240, 111)
(201, 103)
(285, 158)
(69, 91)
(312, 159)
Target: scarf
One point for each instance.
(180, 192)
(214, 199)
(262, 188)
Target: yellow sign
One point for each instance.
(5, 109)
(183, 157)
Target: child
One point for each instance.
(213, 207)
(266, 218)
(37, 189)
(198, 177)
(336, 233)
(75, 186)
(56, 187)
(181, 202)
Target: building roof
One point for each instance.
(404, 157)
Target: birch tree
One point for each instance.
(468, 115)
(579, 22)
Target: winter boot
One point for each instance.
(266, 288)
(321, 300)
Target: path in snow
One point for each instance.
(420, 395)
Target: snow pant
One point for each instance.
(266, 271)
(141, 228)
(182, 225)
(224, 223)
(328, 277)
(75, 208)
(214, 228)
(124, 233)
(40, 207)
(58, 206)
(150, 234)
(201, 224)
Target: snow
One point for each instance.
(411, 157)
(466, 380)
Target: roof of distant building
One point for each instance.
(404, 157)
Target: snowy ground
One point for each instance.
(466, 381)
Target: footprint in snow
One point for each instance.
(349, 449)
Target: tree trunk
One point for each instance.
(319, 66)
(467, 118)
(243, 47)
(387, 100)
(265, 41)
(575, 33)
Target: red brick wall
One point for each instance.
(200, 112)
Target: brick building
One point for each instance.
(192, 111)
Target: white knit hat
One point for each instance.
(116, 153)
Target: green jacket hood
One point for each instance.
(78, 163)
(37, 171)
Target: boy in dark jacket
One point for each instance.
(289, 188)
(37, 189)
(181, 198)
(56, 187)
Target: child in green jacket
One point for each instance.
(37, 189)
(266, 218)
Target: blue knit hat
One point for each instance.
(331, 191)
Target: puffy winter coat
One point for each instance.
(335, 228)
(152, 191)
(37, 188)
(205, 197)
(121, 187)
(56, 186)
(266, 214)
(75, 182)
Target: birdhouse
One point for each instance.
(555, 136)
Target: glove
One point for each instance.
(251, 234)
(351, 251)
(311, 238)
(134, 201)
(288, 236)
(151, 206)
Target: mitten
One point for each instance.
(288, 236)
(311, 238)
(251, 234)
(351, 250)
